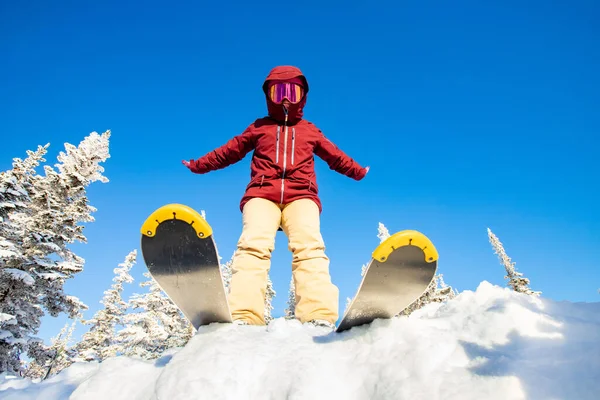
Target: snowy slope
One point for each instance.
(489, 344)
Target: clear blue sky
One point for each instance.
(470, 115)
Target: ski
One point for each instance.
(399, 272)
(180, 253)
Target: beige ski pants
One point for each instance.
(316, 295)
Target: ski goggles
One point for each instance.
(286, 90)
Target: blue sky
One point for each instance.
(470, 116)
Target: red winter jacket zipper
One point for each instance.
(284, 158)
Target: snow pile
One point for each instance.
(493, 343)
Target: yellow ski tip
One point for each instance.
(405, 238)
(180, 212)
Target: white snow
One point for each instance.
(18, 274)
(493, 343)
(4, 335)
(50, 276)
(7, 319)
(6, 254)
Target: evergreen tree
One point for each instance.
(382, 232)
(436, 292)
(40, 217)
(157, 326)
(269, 295)
(54, 358)
(19, 313)
(226, 274)
(99, 342)
(290, 311)
(515, 279)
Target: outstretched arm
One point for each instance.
(230, 153)
(338, 160)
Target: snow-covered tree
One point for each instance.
(40, 217)
(443, 292)
(436, 292)
(269, 295)
(19, 312)
(99, 342)
(382, 232)
(347, 304)
(226, 274)
(515, 279)
(54, 358)
(157, 326)
(290, 311)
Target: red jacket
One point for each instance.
(282, 168)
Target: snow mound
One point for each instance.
(492, 343)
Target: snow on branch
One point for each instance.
(515, 279)
(83, 162)
(383, 232)
(19, 275)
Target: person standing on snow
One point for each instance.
(282, 192)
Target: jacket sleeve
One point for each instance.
(337, 159)
(229, 153)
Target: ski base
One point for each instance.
(180, 253)
(400, 270)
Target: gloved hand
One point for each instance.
(186, 163)
(366, 171)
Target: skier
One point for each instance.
(282, 193)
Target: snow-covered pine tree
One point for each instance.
(56, 357)
(64, 354)
(515, 279)
(443, 292)
(59, 207)
(436, 292)
(99, 342)
(37, 226)
(290, 311)
(226, 274)
(382, 232)
(156, 327)
(269, 295)
(347, 304)
(19, 313)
